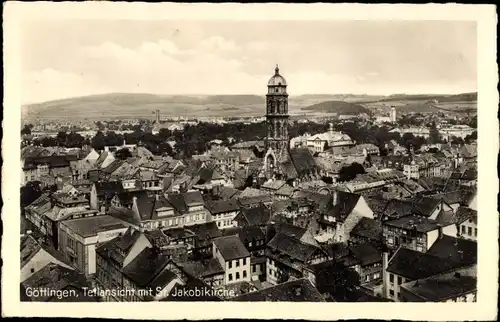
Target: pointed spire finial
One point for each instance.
(277, 69)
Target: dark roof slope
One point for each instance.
(259, 215)
(146, 267)
(231, 247)
(454, 249)
(366, 253)
(415, 265)
(303, 160)
(300, 290)
(368, 228)
(222, 206)
(292, 247)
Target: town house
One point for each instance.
(288, 257)
(78, 239)
(234, 259)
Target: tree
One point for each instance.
(30, 192)
(26, 130)
(348, 173)
(337, 280)
(123, 154)
(74, 140)
(434, 135)
(471, 137)
(61, 138)
(98, 141)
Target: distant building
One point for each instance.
(393, 116)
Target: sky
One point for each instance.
(68, 58)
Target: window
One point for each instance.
(230, 277)
(400, 280)
(475, 232)
(237, 263)
(237, 275)
(270, 272)
(32, 270)
(254, 268)
(230, 263)
(391, 292)
(391, 278)
(249, 245)
(244, 274)
(244, 261)
(469, 231)
(463, 229)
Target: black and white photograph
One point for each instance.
(256, 160)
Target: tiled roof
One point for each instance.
(259, 215)
(300, 290)
(414, 265)
(368, 228)
(202, 269)
(303, 160)
(149, 269)
(222, 206)
(466, 213)
(444, 286)
(366, 253)
(56, 278)
(231, 247)
(290, 246)
(454, 249)
(421, 224)
(346, 202)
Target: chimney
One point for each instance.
(440, 231)
(157, 196)
(335, 197)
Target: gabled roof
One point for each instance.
(466, 213)
(256, 216)
(148, 269)
(368, 228)
(454, 249)
(56, 278)
(303, 160)
(346, 202)
(292, 247)
(231, 247)
(113, 166)
(30, 247)
(414, 265)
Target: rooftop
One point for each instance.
(445, 286)
(91, 226)
(231, 247)
(300, 290)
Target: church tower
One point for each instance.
(277, 116)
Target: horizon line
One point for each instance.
(241, 94)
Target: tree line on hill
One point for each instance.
(195, 139)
